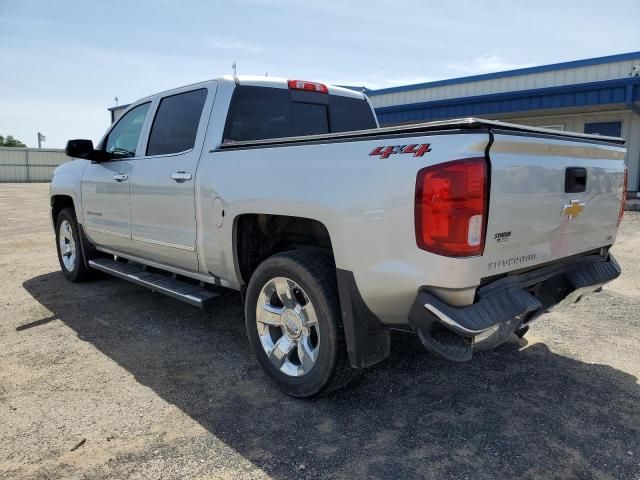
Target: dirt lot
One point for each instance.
(156, 389)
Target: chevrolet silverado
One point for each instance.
(334, 230)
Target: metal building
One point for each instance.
(29, 164)
(598, 95)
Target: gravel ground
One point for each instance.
(109, 380)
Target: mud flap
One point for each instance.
(368, 341)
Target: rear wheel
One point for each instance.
(70, 254)
(294, 324)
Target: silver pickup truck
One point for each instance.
(336, 231)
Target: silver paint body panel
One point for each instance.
(365, 202)
(163, 212)
(105, 204)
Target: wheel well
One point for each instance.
(59, 203)
(258, 236)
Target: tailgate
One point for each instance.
(539, 208)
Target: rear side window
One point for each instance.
(176, 123)
(258, 113)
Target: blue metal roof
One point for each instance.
(618, 91)
(510, 73)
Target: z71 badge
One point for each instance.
(387, 151)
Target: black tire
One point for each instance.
(79, 272)
(314, 272)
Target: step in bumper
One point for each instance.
(525, 296)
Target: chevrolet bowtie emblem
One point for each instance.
(574, 209)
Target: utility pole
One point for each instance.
(41, 138)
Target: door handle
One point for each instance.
(575, 180)
(120, 177)
(180, 176)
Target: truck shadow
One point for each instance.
(521, 411)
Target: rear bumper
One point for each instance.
(524, 296)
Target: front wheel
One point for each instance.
(70, 254)
(294, 324)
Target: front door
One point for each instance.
(163, 183)
(105, 185)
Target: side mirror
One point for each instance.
(83, 149)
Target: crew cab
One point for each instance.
(334, 230)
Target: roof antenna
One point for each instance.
(235, 74)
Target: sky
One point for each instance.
(63, 62)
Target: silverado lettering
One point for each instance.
(510, 262)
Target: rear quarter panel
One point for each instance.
(365, 202)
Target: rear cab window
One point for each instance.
(259, 113)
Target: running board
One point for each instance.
(195, 295)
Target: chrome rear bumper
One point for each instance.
(525, 296)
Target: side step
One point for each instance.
(192, 294)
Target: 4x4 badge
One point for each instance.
(387, 151)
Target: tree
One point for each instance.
(11, 142)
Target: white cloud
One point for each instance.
(485, 64)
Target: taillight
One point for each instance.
(309, 86)
(451, 207)
(623, 200)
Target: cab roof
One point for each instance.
(249, 80)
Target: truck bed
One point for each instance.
(448, 126)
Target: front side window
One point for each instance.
(123, 138)
(176, 124)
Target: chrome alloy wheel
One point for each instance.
(288, 327)
(67, 246)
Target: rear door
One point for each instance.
(550, 198)
(105, 185)
(163, 187)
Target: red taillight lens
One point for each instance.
(451, 207)
(623, 200)
(309, 86)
